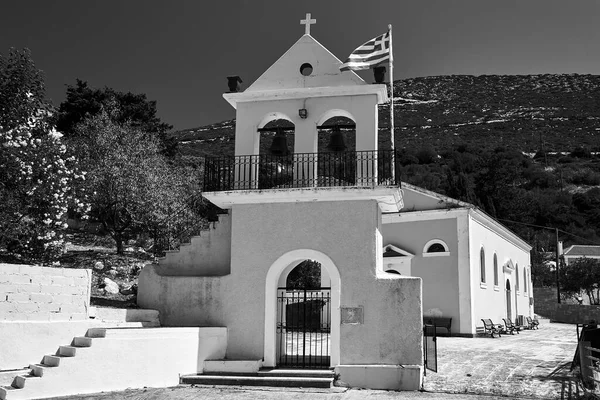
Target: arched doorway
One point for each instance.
(304, 317)
(302, 324)
(508, 301)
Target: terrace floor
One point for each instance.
(534, 363)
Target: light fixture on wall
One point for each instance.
(303, 113)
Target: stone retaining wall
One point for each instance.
(546, 305)
(31, 293)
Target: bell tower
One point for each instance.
(306, 90)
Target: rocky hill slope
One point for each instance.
(525, 149)
(557, 113)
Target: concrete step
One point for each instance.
(158, 332)
(232, 366)
(306, 373)
(265, 377)
(143, 317)
(246, 380)
(12, 393)
(40, 369)
(51, 361)
(67, 351)
(82, 341)
(8, 376)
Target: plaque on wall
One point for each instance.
(352, 315)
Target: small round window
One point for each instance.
(436, 248)
(306, 69)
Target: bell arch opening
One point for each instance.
(302, 320)
(336, 145)
(276, 149)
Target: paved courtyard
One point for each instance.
(534, 363)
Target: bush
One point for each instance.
(427, 155)
(581, 152)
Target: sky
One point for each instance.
(179, 53)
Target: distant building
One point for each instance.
(580, 251)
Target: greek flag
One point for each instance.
(369, 54)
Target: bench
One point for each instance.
(510, 327)
(439, 322)
(533, 323)
(490, 328)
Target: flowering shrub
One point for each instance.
(36, 176)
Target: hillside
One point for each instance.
(520, 112)
(523, 148)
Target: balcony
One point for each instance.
(361, 169)
(349, 175)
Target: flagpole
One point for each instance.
(393, 159)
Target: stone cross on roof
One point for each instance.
(307, 22)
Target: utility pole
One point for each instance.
(557, 264)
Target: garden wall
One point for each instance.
(32, 293)
(567, 311)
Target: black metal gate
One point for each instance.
(304, 327)
(429, 348)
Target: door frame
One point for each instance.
(271, 285)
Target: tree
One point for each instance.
(36, 176)
(131, 186)
(136, 110)
(583, 275)
(307, 275)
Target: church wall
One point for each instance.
(183, 300)
(346, 232)
(208, 254)
(439, 274)
(249, 115)
(489, 301)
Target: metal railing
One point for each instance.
(178, 226)
(300, 170)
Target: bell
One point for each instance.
(336, 141)
(279, 145)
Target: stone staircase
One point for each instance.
(251, 373)
(108, 359)
(212, 246)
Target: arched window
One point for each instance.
(495, 270)
(482, 264)
(435, 248)
(517, 276)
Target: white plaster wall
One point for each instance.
(439, 274)
(208, 254)
(490, 301)
(261, 233)
(32, 293)
(26, 342)
(346, 233)
(285, 72)
(159, 355)
(184, 300)
(250, 115)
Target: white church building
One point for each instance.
(390, 253)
